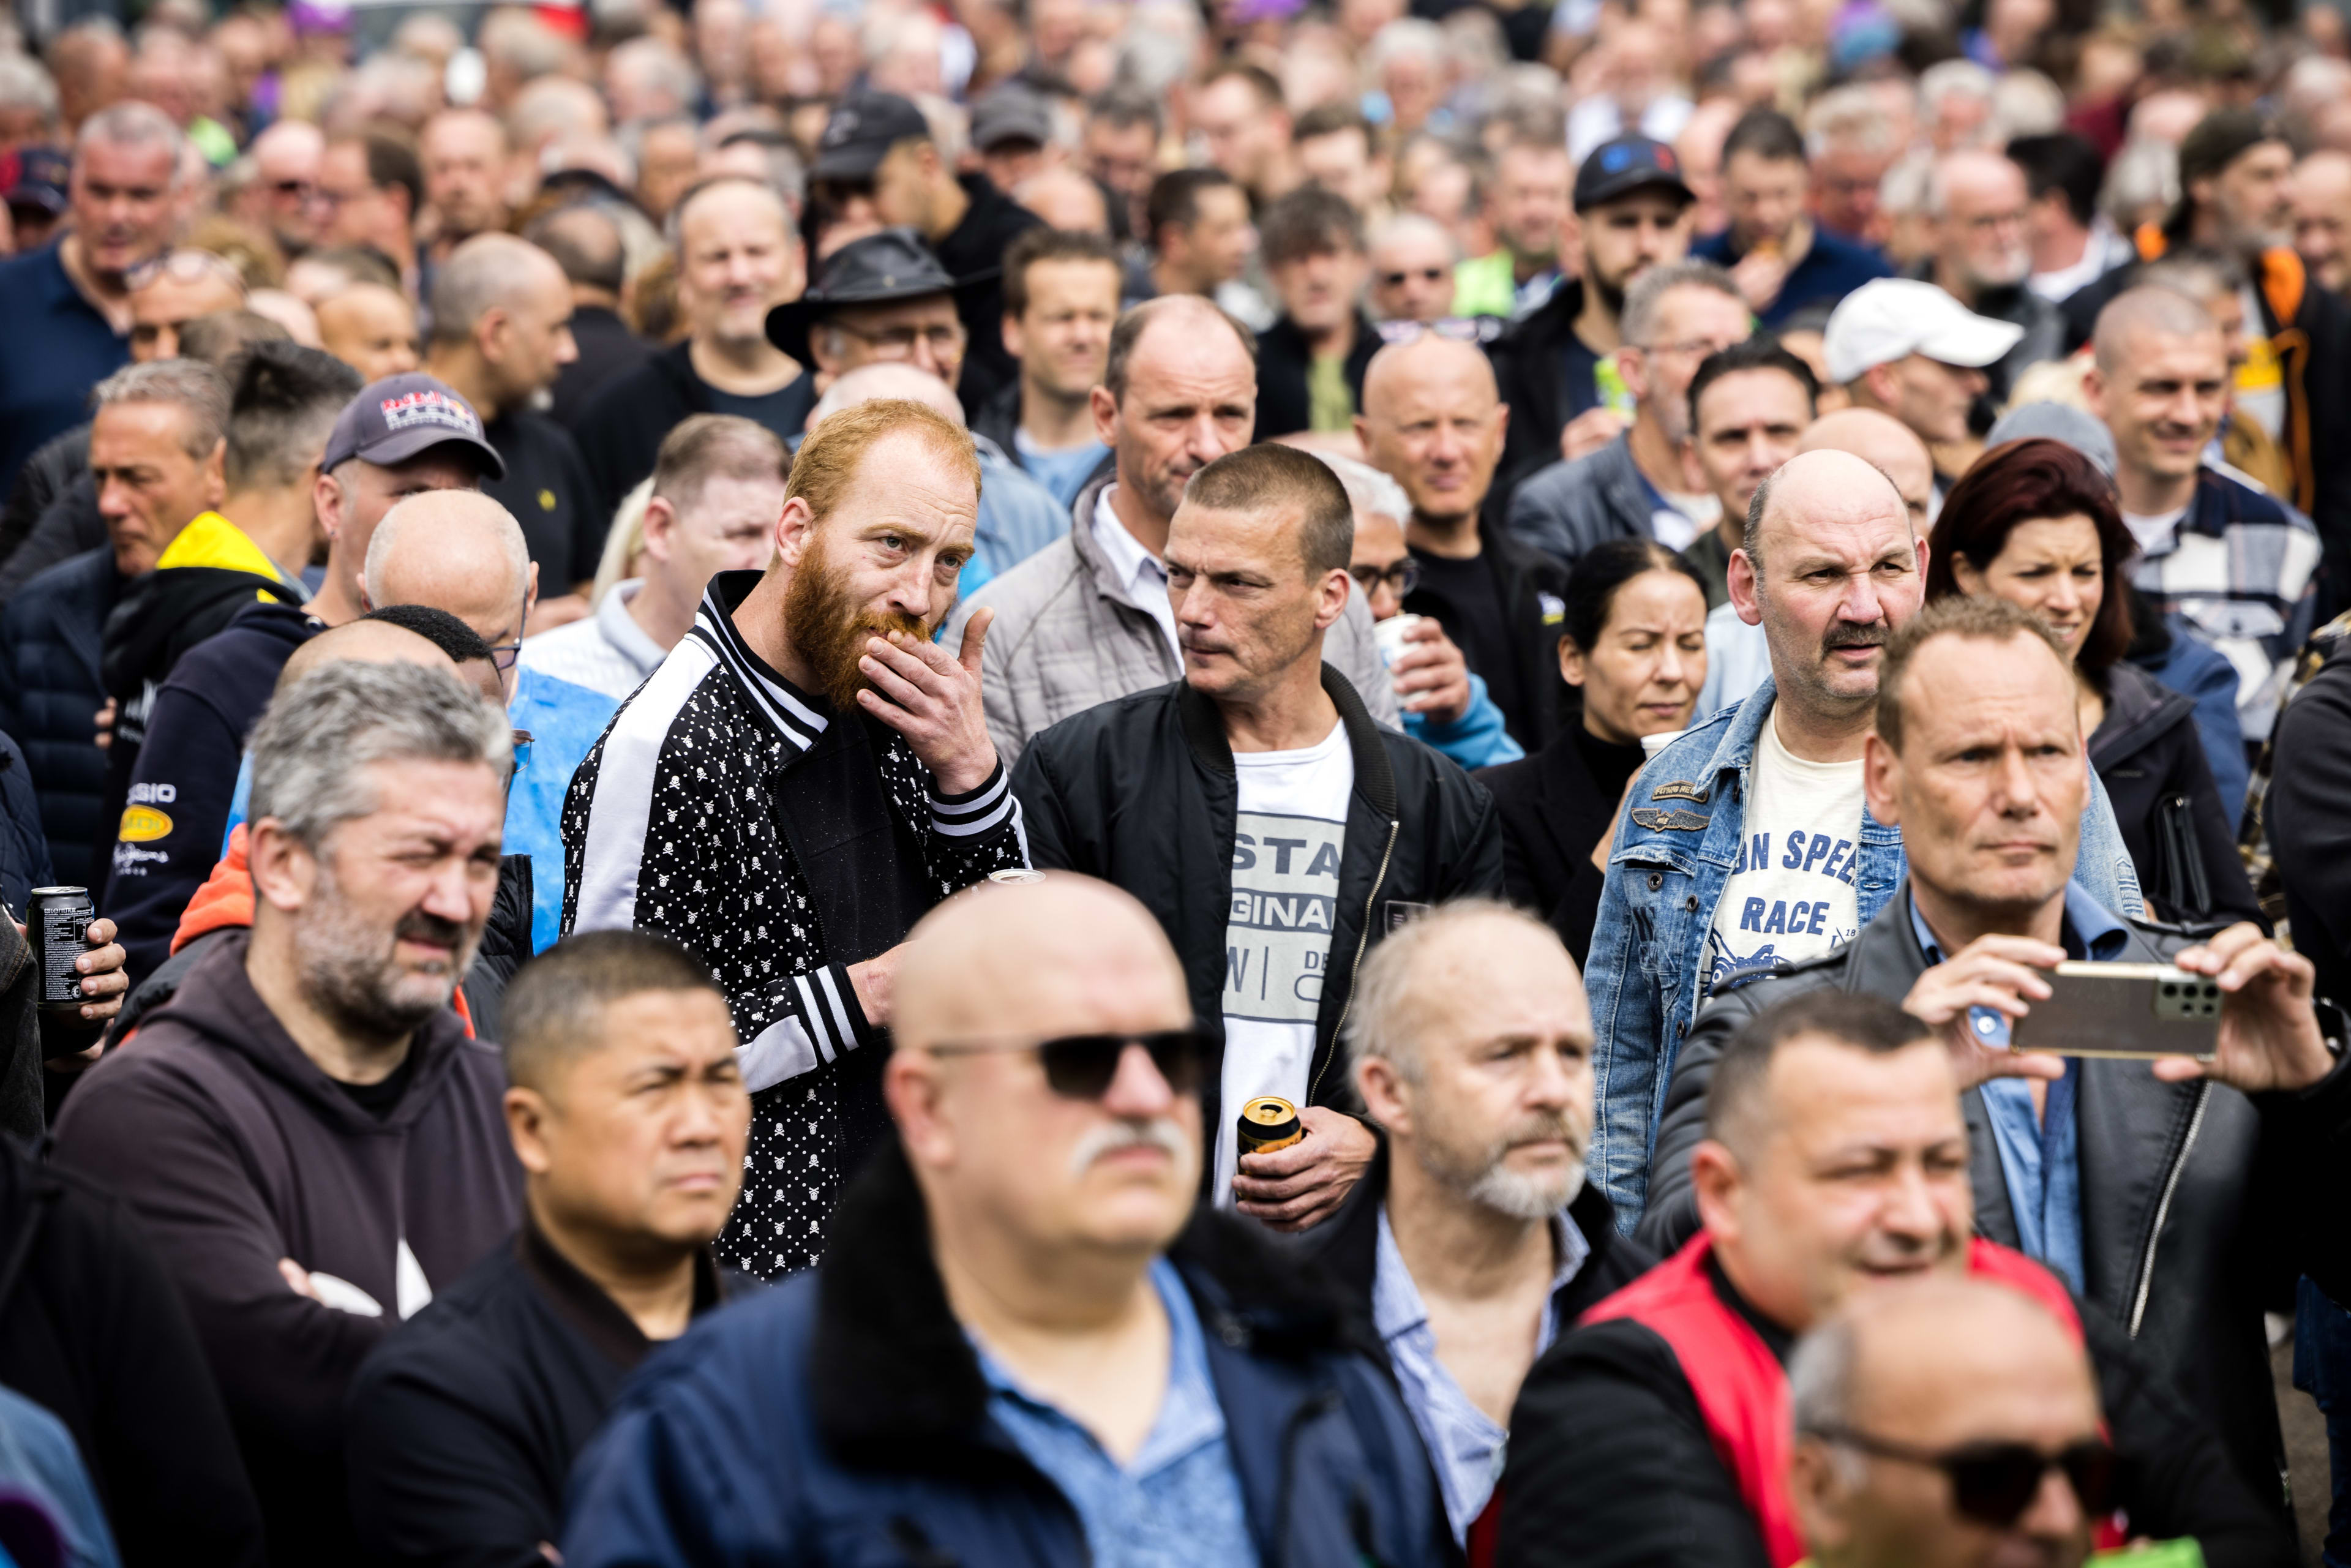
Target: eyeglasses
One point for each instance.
(1425, 274)
(182, 267)
(1083, 1066)
(1699, 348)
(504, 655)
(298, 188)
(1457, 329)
(1402, 576)
(1992, 1483)
(898, 342)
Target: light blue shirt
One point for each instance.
(1061, 470)
(2040, 1156)
(1464, 1443)
(1177, 1503)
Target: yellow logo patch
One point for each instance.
(547, 500)
(143, 825)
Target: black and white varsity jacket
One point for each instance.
(671, 825)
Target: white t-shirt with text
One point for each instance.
(1287, 846)
(1791, 895)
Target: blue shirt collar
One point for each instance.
(2091, 931)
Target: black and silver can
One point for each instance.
(57, 925)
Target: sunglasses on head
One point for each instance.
(1083, 1066)
(1457, 329)
(1993, 1483)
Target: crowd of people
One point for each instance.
(1113, 781)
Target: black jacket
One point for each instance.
(51, 692)
(1530, 370)
(1141, 792)
(1610, 1465)
(621, 429)
(2199, 1205)
(26, 548)
(1283, 364)
(23, 852)
(1531, 589)
(462, 1426)
(2308, 813)
(607, 349)
(1552, 812)
(91, 1330)
(547, 490)
(975, 249)
(2151, 760)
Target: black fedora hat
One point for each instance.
(877, 269)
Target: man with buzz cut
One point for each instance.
(1061, 302)
(628, 1113)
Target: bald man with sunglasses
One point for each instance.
(1024, 1343)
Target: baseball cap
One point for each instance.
(1893, 317)
(1010, 113)
(39, 180)
(399, 417)
(1627, 164)
(860, 134)
(893, 264)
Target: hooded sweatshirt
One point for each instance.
(178, 805)
(237, 1150)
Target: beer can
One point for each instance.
(1269, 1122)
(57, 925)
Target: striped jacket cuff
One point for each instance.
(976, 813)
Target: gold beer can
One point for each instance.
(1269, 1122)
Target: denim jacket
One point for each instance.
(1673, 853)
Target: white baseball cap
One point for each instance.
(1893, 317)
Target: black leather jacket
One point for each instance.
(2200, 1204)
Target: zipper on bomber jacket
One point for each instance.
(2163, 1206)
(1363, 942)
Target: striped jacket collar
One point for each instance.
(795, 715)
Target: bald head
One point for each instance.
(1433, 422)
(456, 550)
(1457, 370)
(2137, 314)
(1822, 487)
(362, 643)
(1065, 199)
(888, 379)
(491, 272)
(1887, 444)
(1064, 955)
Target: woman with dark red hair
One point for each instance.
(2035, 523)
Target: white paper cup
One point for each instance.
(1653, 744)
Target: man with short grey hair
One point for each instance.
(309, 1133)
(70, 301)
(1472, 1240)
(1636, 486)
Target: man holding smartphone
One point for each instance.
(2174, 1196)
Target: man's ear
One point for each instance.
(2094, 391)
(216, 472)
(327, 501)
(284, 871)
(1104, 408)
(661, 520)
(795, 530)
(910, 1087)
(1382, 1088)
(1008, 330)
(1881, 775)
(1331, 599)
(527, 1113)
(1744, 600)
(1818, 1492)
(1715, 1179)
(1633, 365)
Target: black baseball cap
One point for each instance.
(399, 417)
(1010, 113)
(893, 264)
(1627, 164)
(38, 179)
(860, 134)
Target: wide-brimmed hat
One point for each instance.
(876, 269)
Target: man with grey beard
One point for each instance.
(308, 1132)
(1979, 203)
(1472, 1240)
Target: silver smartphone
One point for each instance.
(2123, 1010)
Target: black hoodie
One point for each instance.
(235, 1151)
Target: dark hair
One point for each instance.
(1604, 569)
(1137, 317)
(1329, 119)
(1261, 478)
(554, 1009)
(1766, 134)
(1175, 199)
(1120, 108)
(443, 631)
(1310, 220)
(585, 243)
(1760, 352)
(1978, 617)
(283, 401)
(1261, 81)
(2014, 484)
(2065, 162)
(219, 336)
(391, 161)
(1866, 1023)
(1042, 243)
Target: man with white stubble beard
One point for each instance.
(1981, 205)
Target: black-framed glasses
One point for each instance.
(1424, 274)
(1083, 1066)
(1402, 576)
(1992, 1483)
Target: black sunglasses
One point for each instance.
(1082, 1066)
(1992, 1483)
(1426, 274)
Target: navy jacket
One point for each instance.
(24, 852)
(841, 1418)
(49, 696)
(186, 770)
(1833, 268)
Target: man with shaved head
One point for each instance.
(460, 552)
(1433, 422)
(1745, 846)
(1067, 200)
(501, 331)
(1088, 618)
(1412, 257)
(1834, 1166)
(585, 242)
(369, 328)
(2239, 565)
(1021, 1277)
(1473, 1240)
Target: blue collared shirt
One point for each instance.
(2040, 1156)
(1464, 1443)
(1177, 1502)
